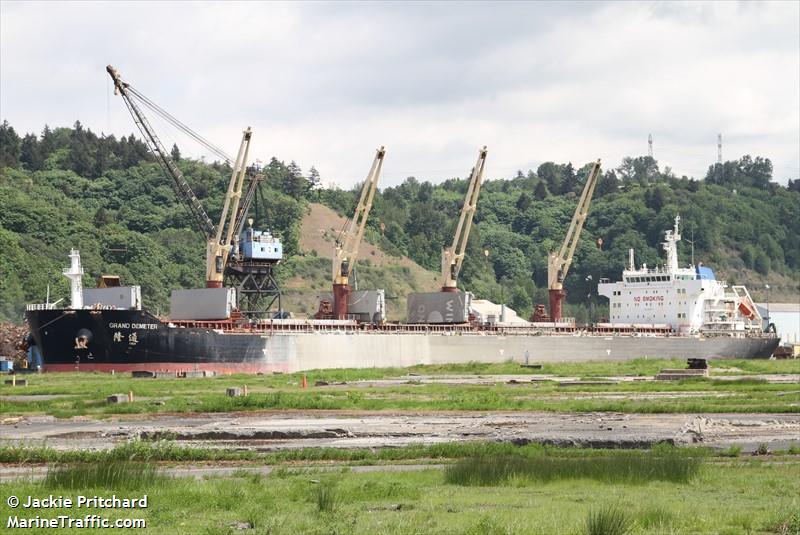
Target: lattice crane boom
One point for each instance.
(200, 218)
(346, 250)
(218, 237)
(558, 264)
(247, 201)
(453, 256)
(346, 253)
(219, 247)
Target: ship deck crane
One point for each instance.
(453, 256)
(346, 249)
(558, 263)
(255, 254)
(218, 237)
(256, 179)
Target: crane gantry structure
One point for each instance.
(558, 263)
(453, 256)
(221, 239)
(345, 253)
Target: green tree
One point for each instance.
(656, 198)
(314, 181)
(540, 193)
(101, 218)
(552, 175)
(30, 154)
(570, 182)
(749, 256)
(48, 142)
(640, 169)
(9, 146)
(80, 159)
(607, 183)
(523, 202)
(762, 263)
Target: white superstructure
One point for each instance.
(686, 300)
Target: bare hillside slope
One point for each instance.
(399, 276)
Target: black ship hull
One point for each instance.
(124, 340)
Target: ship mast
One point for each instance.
(74, 273)
(671, 245)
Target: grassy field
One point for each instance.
(689, 493)
(85, 394)
(471, 488)
(165, 451)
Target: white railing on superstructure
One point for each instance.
(40, 306)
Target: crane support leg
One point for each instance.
(340, 294)
(556, 296)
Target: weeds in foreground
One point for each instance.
(655, 517)
(790, 526)
(325, 495)
(660, 464)
(608, 520)
(116, 475)
(733, 451)
(486, 525)
(150, 452)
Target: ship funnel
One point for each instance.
(74, 273)
(630, 259)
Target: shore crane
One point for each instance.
(453, 256)
(345, 253)
(220, 237)
(558, 263)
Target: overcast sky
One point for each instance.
(326, 83)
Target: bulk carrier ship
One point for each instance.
(667, 312)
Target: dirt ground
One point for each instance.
(298, 429)
(322, 225)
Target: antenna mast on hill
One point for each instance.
(650, 145)
(719, 148)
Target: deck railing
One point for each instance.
(40, 306)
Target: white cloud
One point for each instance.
(325, 84)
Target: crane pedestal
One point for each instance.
(340, 293)
(257, 291)
(556, 296)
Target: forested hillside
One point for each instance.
(107, 197)
(69, 187)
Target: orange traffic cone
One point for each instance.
(304, 382)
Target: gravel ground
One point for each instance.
(351, 429)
